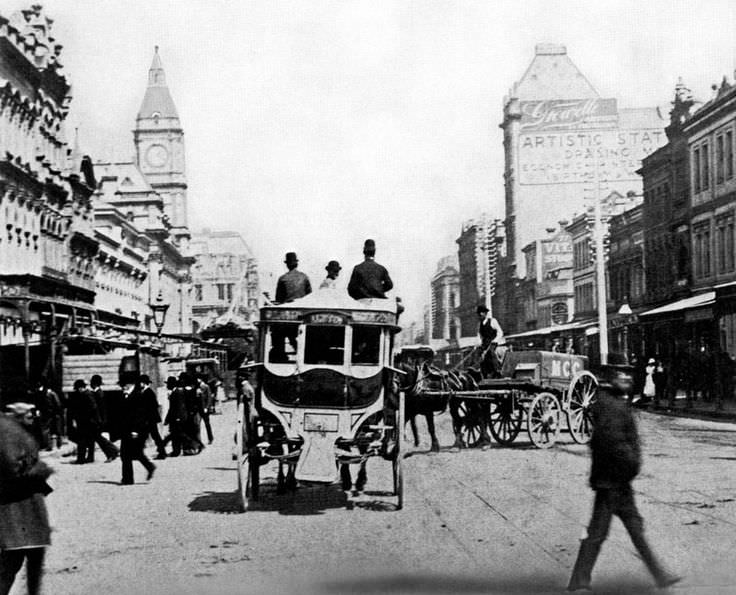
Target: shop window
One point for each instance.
(366, 345)
(325, 345)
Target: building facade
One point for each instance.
(224, 279)
(561, 137)
(48, 252)
(445, 287)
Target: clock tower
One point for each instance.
(159, 148)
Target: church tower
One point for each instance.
(159, 149)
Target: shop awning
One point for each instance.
(694, 301)
(548, 330)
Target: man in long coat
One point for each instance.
(135, 424)
(86, 419)
(616, 460)
(24, 526)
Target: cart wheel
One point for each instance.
(580, 396)
(397, 463)
(506, 419)
(470, 420)
(543, 420)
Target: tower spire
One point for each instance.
(157, 101)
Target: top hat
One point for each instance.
(291, 257)
(333, 265)
(369, 245)
(481, 308)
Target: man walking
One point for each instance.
(86, 421)
(50, 412)
(151, 398)
(369, 279)
(205, 396)
(108, 448)
(176, 416)
(135, 423)
(616, 460)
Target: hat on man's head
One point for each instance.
(79, 383)
(652, 361)
(369, 245)
(481, 308)
(333, 265)
(291, 257)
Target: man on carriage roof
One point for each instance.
(293, 284)
(369, 279)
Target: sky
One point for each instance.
(311, 126)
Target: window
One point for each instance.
(366, 345)
(197, 293)
(224, 291)
(705, 177)
(729, 155)
(696, 170)
(283, 343)
(324, 345)
(720, 165)
(725, 244)
(702, 250)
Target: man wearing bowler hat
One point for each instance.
(294, 284)
(369, 279)
(333, 270)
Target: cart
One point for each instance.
(322, 393)
(536, 389)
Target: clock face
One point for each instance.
(157, 155)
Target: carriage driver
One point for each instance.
(492, 343)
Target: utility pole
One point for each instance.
(488, 246)
(600, 272)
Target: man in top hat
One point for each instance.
(294, 284)
(616, 460)
(333, 270)
(369, 279)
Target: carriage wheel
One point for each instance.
(506, 419)
(471, 422)
(580, 396)
(543, 420)
(397, 463)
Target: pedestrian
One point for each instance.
(135, 422)
(151, 398)
(616, 460)
(293, 284)
(176, 416)
(333, 270)
(50, 411)
(110, 451)
(193, 403)
(207, 406)
(660, 383)
(369, 279)
(24, 525)
(649, 390)
(85, 421)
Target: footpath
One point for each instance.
(698, 409)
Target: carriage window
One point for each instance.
(325, 345)
(366, 345)
(283, 343)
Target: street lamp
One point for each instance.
(159, 309)
(625, 309)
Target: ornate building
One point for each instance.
(47, 245)
(225, 280)
(142, 206)
(445, 300)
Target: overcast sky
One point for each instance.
(310, 126)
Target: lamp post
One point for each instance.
(159, 309)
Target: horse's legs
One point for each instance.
(414, 431)
(345, 478)
(280, 480)
(456, 426)
(429, 416)
(291, 478)
(362, 478)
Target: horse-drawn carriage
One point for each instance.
(536, 387)
(323, 393)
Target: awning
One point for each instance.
(548, 330)
(694, 301)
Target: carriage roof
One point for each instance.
(367, 311)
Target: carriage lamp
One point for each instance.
(159, 309)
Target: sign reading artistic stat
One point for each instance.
(563, 142)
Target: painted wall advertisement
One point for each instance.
(564, 142)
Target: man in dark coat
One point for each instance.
(135, 422)
(369, 279)
(616, 460)
(205, 396)
(50, 412)
(294, 284)
(24, 526)
(193, 403)
(85, 417)
(152, 399)
(176, 416)
(108, 448)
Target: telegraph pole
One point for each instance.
(600, 273)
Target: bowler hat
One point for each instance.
(333, 265)
(369, 245)
(291, 257)
(481, 308)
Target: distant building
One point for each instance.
(560, 137)
(47, 246)
(147, 197)
(445, 300)
(224, 279)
